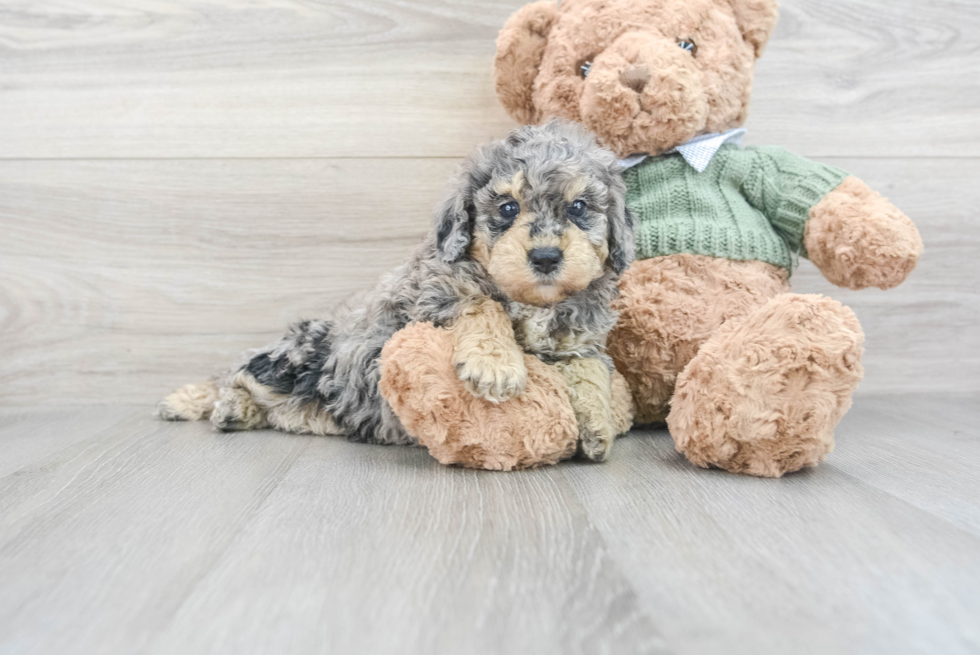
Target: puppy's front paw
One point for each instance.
(595, 445)
(496, 376)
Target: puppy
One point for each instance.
(524, 255)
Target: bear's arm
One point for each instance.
(854, 236)
(858, 239)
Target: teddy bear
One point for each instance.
(747, 375)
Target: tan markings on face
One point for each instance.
(480, 250)
(575, 189)
(583, 260)
(513, 188)
(506, 262)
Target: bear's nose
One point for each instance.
(635, 77)
(545, 260)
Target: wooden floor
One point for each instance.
(121, 534)
(179, 179)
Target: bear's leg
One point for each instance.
(668, 307)
(764, 394)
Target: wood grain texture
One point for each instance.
(441, 560)
(181, 178)
(122, 280)
(826, 561)
(27, 435)
(212, 78)
(925, 439)
(104, 263)
(169, 538)
(118, 529)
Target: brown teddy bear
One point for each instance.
(748, 376)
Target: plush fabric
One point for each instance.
(643, 93)
(764, 393)
(669, 307)
(748, 376)
(858, 239)
(748, 204)
(519, 52)
(419, 381)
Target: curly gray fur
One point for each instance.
(331, 366)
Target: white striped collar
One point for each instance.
(698, 152)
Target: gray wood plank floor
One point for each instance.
(121, 534)
(181, 178)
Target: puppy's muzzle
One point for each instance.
(545, 260)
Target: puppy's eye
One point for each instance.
(690, 46)
(584, 68)
(510, 210)
(577, 209)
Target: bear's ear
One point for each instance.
(757, 20)
(520, 49)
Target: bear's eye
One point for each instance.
(510, 210)
(585, 68)
(577, 209)
(690, 46)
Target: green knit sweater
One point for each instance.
(750, 203)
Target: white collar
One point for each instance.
(698, 152)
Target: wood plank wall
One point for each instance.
(179, 179)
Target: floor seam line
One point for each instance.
(232, 540)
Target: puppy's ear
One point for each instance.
(454, 223)
(756, 19)
(457, 214)
(622, 244)
(520, 49)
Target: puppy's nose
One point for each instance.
(635, 77)
(545, 260)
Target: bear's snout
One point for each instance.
(644, 94)
(635, 77)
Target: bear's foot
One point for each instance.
(669, 307)
(764, 394)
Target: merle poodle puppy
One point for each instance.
(524, 255)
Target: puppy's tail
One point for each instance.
(192, 402)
